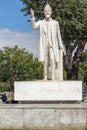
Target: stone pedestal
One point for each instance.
(48, 91)
(43, 116)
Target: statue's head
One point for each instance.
(47, 11)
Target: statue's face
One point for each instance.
(47, 13)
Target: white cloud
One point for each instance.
(30, 41)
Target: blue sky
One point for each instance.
(14, 28)
(11, 17)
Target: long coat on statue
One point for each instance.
(54, 37)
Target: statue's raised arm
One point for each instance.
(32, 13)
(35, 25)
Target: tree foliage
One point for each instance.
(83, 70)
(18, 65)
(72, 16)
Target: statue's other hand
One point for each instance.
(61, 47)
(32, 12)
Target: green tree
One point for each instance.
(19, 65)
(37, 70)
(1, 64)
(72, 16)
(83, 69)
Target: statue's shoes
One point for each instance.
(52, 78)
(45, 78)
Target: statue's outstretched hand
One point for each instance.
(32, 12)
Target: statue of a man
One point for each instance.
(50, 42)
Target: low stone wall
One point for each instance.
(43, 116)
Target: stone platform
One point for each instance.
(43, 116)
(48, 91)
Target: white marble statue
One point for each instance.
(50, 47)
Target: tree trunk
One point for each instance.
(71, 64)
